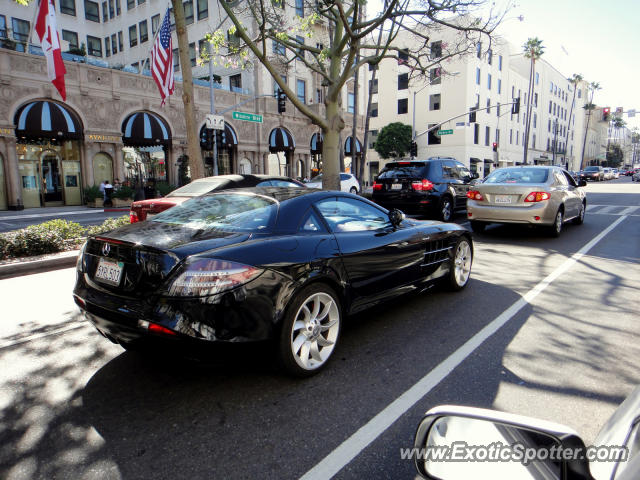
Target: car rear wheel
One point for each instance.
(477, 227)
(556, 228)
(579, 220)
(460, 265)
(310, 330)
(446, 209)
(353, 190)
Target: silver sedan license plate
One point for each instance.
(502, 199)
(109, 271)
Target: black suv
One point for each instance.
(436, 187)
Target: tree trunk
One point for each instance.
(196, 165)
(331, 146)
(566, 142)
(355, 163)
(528, 119)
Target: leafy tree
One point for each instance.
(394, 140)
(343, 40)
(533, 50)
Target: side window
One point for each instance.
(351, 215)
(570, 179)
(344, 176)
(284, 183)
(560, 178)
(449, 170)
(266, 183)
(312, 223)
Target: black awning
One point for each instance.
(280, 140)
(316, 144)
(144, 129)
(347, 146)
(475, 160)
(45, 119)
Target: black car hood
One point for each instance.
(179, 239)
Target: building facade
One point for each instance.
(112, 125)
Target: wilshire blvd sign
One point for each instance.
(247, 117)
(445, 132)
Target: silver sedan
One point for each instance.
(532, 195)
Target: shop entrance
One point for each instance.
(50, 178)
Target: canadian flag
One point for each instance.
(47, 32)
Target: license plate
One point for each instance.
(396, 186)
(502, 199)
(109, 271)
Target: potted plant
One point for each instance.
(93, 197)
(123, 196)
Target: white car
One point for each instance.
(348, 183)
(608, 174)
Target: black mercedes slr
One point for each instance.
(280, 264)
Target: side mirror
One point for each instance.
(454, 443)
(396, 217)
(582, 183)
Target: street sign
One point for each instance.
(247, 117)
(216, 122)
(445, 132)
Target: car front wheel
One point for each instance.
(460, 265)
(310, 330)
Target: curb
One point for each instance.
(60, 260)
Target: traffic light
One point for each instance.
(206, 140)
(606, 111)
(282, 101)
(472, 116)
(414, 149)
(495, 146)
(515, 108)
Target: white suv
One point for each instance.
(348, 183)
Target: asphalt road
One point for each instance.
(72, 405)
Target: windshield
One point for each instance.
(592, 169)
(197, 188)
(518, 175)
(229, 212)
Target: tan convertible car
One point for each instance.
(533, 195)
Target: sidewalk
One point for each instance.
(46, 213)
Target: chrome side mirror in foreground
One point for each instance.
(461, 442)
(396, 216)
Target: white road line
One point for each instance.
(607, 209)
(36, 336)
(629, 210)
(352, 446)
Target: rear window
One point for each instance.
(399, 170)
(518, 175)
(229, 212)
(197, 188)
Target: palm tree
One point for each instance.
(533, 50)
(574, 80)
(589, 107)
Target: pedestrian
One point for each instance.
(108, 192)
(102, 189)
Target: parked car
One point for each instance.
(348, 183)
(144, 209)
(247, 265)
(555, 452)
(636, 176)
(436, 187)
(594, 173)
(615, 173)
(535, 195)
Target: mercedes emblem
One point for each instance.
(106, 249)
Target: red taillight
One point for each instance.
(475, 195)
(404, 163)
(423, 186)
(537, 197)
(155, 328)
(377, 186)
(133, 217)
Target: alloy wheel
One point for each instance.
(462, 263)
(445, 210)
(315, 331)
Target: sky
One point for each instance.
(597, 39)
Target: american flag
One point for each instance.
(162, 59)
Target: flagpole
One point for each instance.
(148, 59)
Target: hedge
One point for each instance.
(52, 236)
